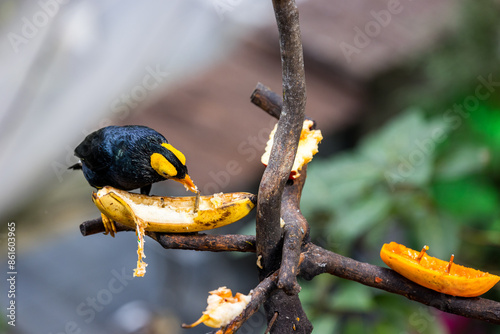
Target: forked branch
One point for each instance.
(286, 138)
(316, 260)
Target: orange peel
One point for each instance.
(433, 273)
(308, 147)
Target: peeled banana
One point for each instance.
(168, 214)
(173, 214)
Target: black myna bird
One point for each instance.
(130, 157)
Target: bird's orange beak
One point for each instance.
(188, 184)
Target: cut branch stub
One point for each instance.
(267, 100)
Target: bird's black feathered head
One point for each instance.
(171, 163)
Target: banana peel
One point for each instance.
(173, 214)
(169, 214)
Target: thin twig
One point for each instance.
(271, 323)
(259, 295)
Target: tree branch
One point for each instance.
(318, 260)
(285, 140)
(192, 241)
(267, 100)
(95, 226)
(206, 242)
(259, 294)
(295, 230)
(296, 226)
(264, 98)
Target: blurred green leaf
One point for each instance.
(485, 122)
(424, 320)
(326, 325)
(403, 150)
(331, 182)
(439, 233)
(461, 161)
(356, 219)
(403, 316)
(467, 198)
(351, 296)
(356, 326)
(387, 327)
(308, 293)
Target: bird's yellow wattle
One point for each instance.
(162, 166)
(176, 152)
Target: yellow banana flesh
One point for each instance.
(173, 214)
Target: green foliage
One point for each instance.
(402, 183)
(386, 182)
(429, 176)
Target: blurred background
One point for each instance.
(407, 97)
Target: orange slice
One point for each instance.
(436, 274)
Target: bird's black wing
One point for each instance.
(94, 152)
